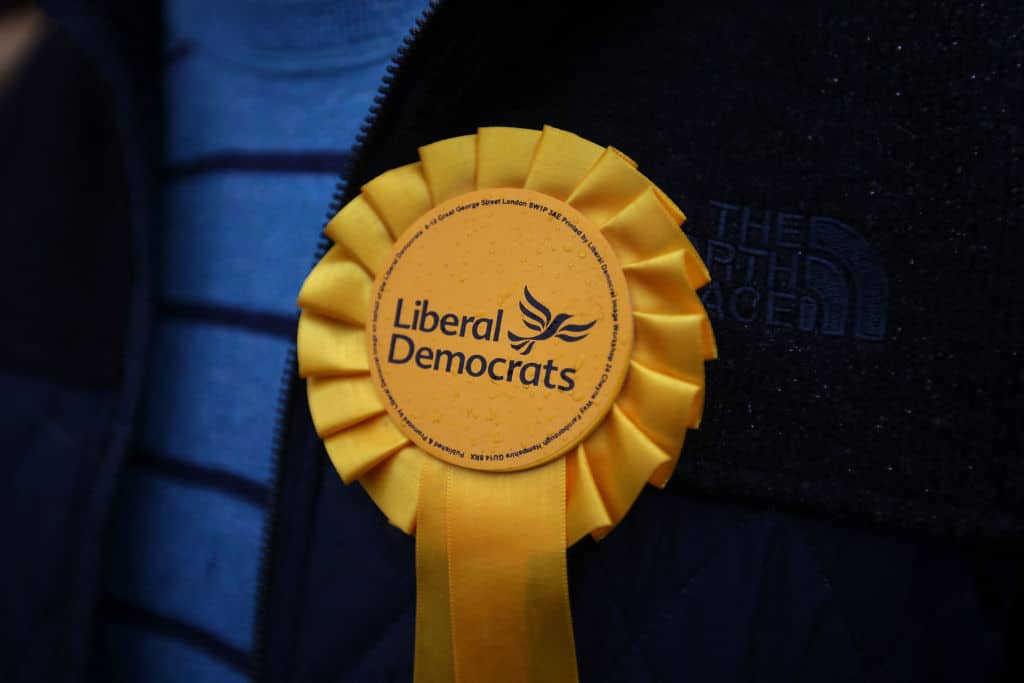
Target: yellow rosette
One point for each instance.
(496, 423)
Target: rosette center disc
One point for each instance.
(500, 330)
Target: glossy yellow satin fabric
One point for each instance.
(492, 596)
(502, 539)
(434, 662)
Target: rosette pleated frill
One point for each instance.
(639, 440)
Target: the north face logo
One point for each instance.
(814, 274)
(537, 317)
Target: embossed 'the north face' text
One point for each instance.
(780, 269)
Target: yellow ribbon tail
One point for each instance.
(504, 613)
(433, 662)
(492, 600)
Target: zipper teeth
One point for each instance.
(284, 396)
(340, 196)
(280, 422)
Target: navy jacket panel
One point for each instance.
(835, 394)
(56, 444)
(74, 315)
(686, 589)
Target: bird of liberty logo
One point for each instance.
(537, 317)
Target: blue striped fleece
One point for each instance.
(263, 102)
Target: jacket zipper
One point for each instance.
(259, 670)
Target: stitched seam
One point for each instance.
(654, 621)
(827, 583)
